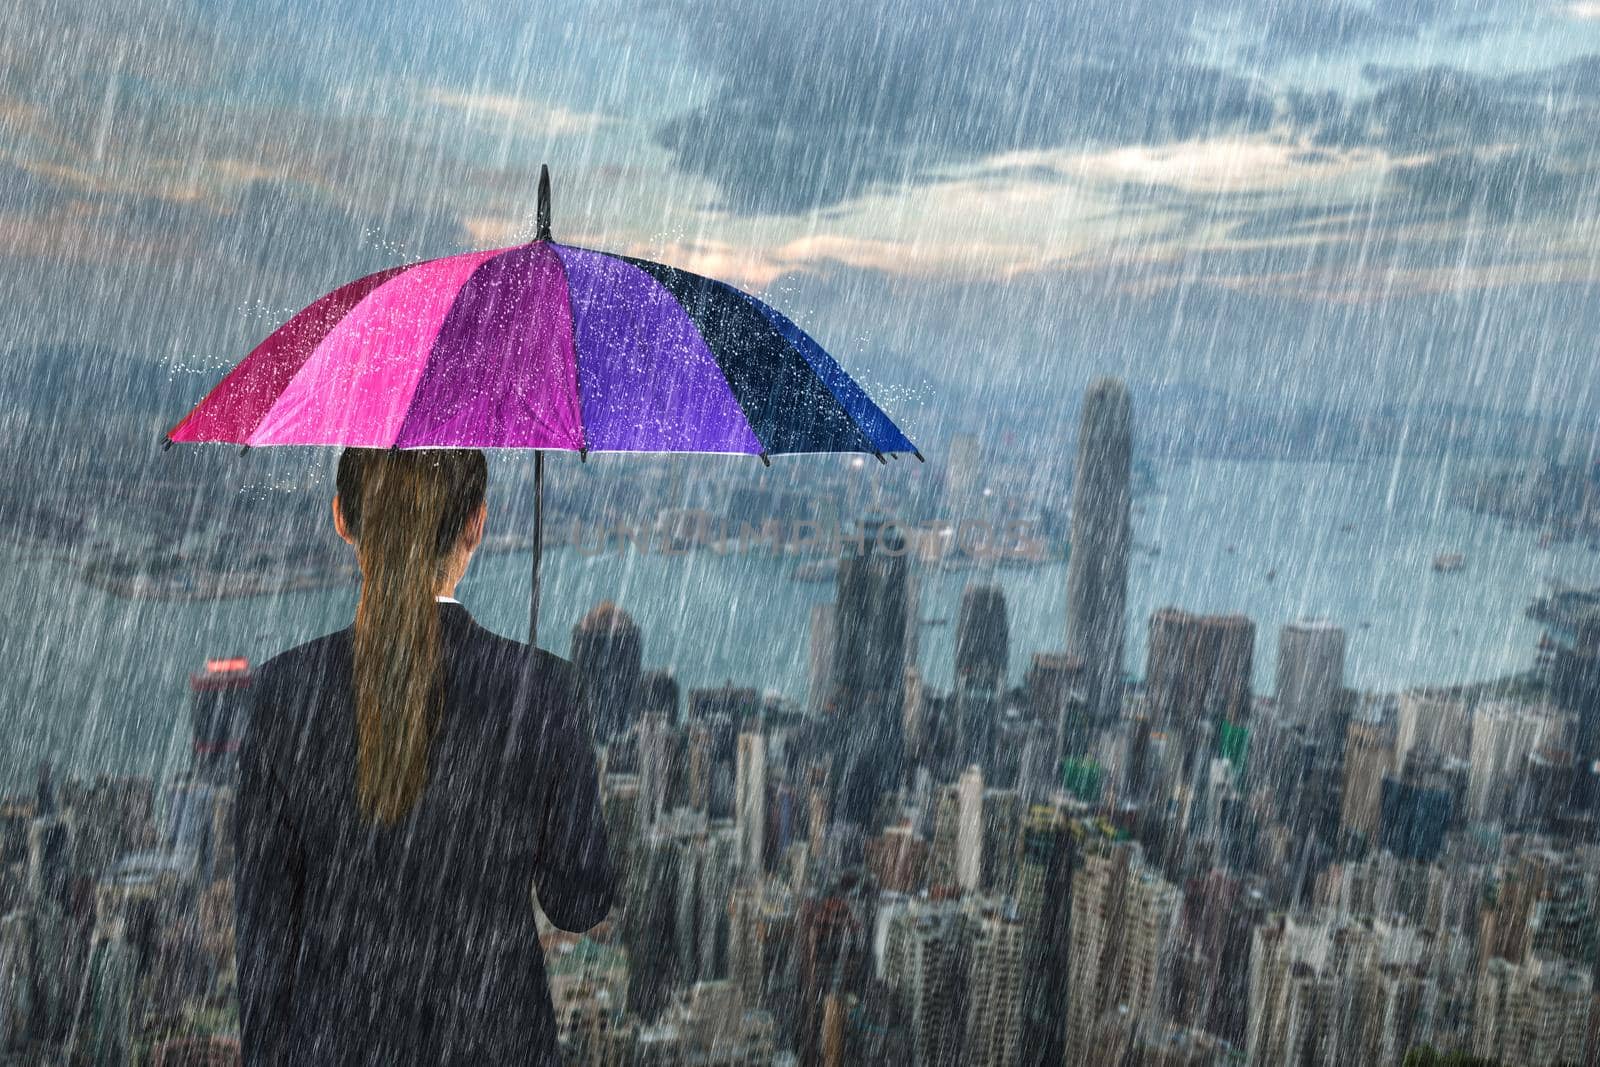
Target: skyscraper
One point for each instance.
(219, 707)
(1505, 735)
(969, 829)
(1097, 570)
(867, 698)
(760, 937)
(1053, 679)
(976, 711)
(734, 703)
(1124, 924)
(1199, 668)
(190, 824)
(1575, 685)
(1311, 677)
(944, 847)
(651, 917)
(1438, 722)
(658, 695)
(1057, 700)
(654, 738)
(819, 663)
(113, 977)
(983, 647)
(1044, 904)
(1335, 990)
(994, 986)
(1539, 1012)
(606, 655)
(750, 804)
(1002, 840)
(208, 1051)
(982, 654)
(1416, 808)
(924, 961)
(1368, 758)
(16, 980)
(833, 957)
(1197, 693)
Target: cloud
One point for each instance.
(1091, 147)
(504, 114)
(1502, 146)
(814, 106)
(1500, 185)
(1215, 166)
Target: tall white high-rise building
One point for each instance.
(1123, 929)
(969, 830)
(750, 801)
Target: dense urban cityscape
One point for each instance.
(1097, 866)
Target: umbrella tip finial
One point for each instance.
(544, 203)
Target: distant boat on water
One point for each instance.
(1449, 562)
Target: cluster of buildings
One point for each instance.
(1078, 868)
(116, 906)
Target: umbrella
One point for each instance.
(542, 346)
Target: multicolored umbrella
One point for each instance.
(543, 346)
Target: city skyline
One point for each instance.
(973, 891)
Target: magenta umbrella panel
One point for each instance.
(543, 346)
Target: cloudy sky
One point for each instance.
(1287, 197)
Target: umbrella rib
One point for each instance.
(572, 329)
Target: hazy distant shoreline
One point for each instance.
(101, 681)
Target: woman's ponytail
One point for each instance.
(406, 511)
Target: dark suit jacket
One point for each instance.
(412, 944)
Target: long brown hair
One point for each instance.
(406, 511)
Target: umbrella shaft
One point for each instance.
(538, 545)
